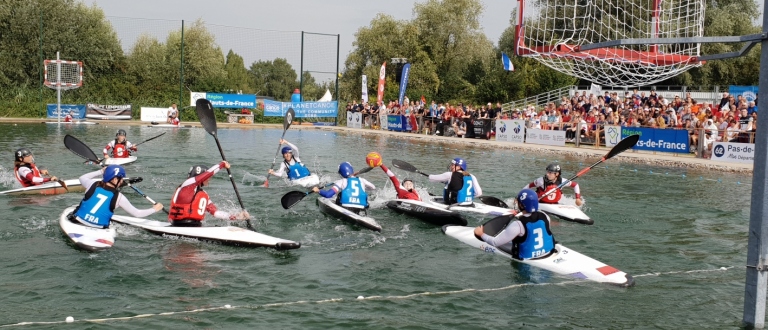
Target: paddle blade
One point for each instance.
(63, 184)
(204, 110)
(405, 166)
(288, 119)
(79, 148)
(493, 201)
(494, 226)
(291, 198)
(266, 183)
(623, 145)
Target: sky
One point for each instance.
(343, 17)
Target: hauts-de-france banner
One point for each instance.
(219, 100)
(655, 139)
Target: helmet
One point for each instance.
(554, 168)
(120, 132)
(406, 181)
(113, 171)
(460, 162)
(527, 200)
(196, 170)
(286, 150)
(21, 153)
(346, 170)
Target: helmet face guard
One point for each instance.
(408, 184)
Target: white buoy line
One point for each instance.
(70, 319)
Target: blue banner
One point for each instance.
(78, 111)
(656, 139)
(232, 100)
(302, 109)
(395, 123)
(749, 92)
(404, 81)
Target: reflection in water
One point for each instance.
(187, 260)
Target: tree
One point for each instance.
(238, 78)
(276, 78)
(203, 59)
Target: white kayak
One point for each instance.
(563, 261)
(48, 188)
(308, 181)
(84, 237)
(119, 161)
(566, 212)
(427, 211)
(476, 207)
(169, 126)
(72, 122)
(228, 235)
(329, 206)
(108, 117)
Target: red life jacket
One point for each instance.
(192, 211)
(24, 182)
(120, 151)
(552, 198)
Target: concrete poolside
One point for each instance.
(589, 152)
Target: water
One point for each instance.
(673, 229)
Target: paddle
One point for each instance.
(81, 149)
(620, 147)
(150, 139)
(291, 198)
(405, 166)
(287, 120)
(204, 110)
(143, 195)
(61, 182)
(493, 201)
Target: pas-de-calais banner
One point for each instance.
(733, 152)
(218, 100)
(655, 139)
(154, 114)
(510, 130)
(302, 109)
(365, 89)
(109, 112)
(547, 137)
(749, 92)
(78, 111)
(404, 81)
(354, 120)
(380, 93)
(612, 135)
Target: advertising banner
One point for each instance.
(404, 81)
(548, 137)
(655, 139)
(510, 130)
(354, 120)
(380, 92)
(219, 100)
(749, 92)
(383, 121)
(302, 109)
(77, 110)
(733, 152)
(154, 114)
(395, 123)
(365, 89)
(109, 112)
(612, 135)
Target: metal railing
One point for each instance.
(540, 99)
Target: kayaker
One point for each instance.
(27, 172)
(291, 161)
(103, 197)
(549, 181)
(119, 147)
(460, 186)
(406, 189)
(190, 202)
(68, 118)
(350, 190)
(529, 234)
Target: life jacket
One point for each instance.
(553, 197)
(297, 170)
(537, 241)
(353, 195)
(192, 211)
(24, 182)
(98, 206)
(120, 151)
(405, 194)
(459, 189)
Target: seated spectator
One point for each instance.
(460, 127)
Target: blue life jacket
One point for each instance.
(297, 170)
(538, 240)
(463, 195)
(354, 195)
(97, 207)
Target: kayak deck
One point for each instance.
(87, 238)
(427, 212)
(566, 212)
(328, 206)
(48, 188)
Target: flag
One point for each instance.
(404, 81)
(382, 72)
(423, 100)
(507, 62)
(365, 89)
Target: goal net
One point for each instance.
(67, 74)
(552, 31)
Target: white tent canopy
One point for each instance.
(327, 97)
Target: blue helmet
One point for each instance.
(286, 150)
(460, 162)
(527, 200)
(113, 171)
(346, 170)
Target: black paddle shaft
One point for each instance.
(405, 166)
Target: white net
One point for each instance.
(70, 77)
(552, 30)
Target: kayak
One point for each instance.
(72, 122)
(48, 188)
(170, 126)
(120, 161)
(475, 207)
(566, 212)
(108, 117)
(309, 181)
(564, 261)
(84, 237)
(227, 235)
(428, 212)
(329, 206)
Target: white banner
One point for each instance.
(354, 120)
(733, 152)
(540, 136)
(154, 114)
(365, 89)
(612, 135)
(595, 89)
(193, 96)
(383, 121)
(510, 130)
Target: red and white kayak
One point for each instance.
(48, 188)
(84, 237)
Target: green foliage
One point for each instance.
(275, 79)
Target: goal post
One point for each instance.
(62, 75)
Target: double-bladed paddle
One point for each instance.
(291, 198)
(287, 120)
(405, 166)
(204, 110)
(150, 139)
